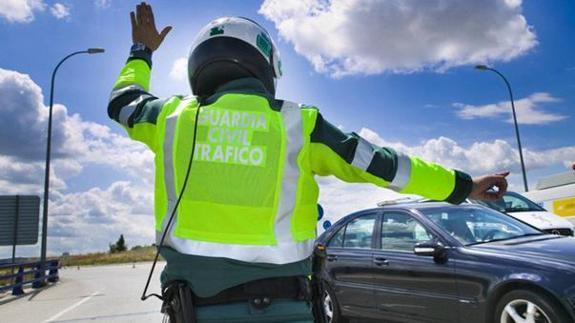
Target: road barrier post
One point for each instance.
(38, 276)
(53, 273)
(17, 289)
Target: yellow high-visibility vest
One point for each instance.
(252, 195)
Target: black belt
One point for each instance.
(179, 301)
(259, 293)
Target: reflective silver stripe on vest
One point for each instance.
(169, 171)
(402, 174)
(364, 153)
(128, 110)
(279, 254)
(286, 250)
(291, 115)
(118, 92)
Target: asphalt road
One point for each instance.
(90, 294)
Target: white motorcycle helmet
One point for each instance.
(230, 48)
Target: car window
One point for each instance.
(337, 239)
(359, 232)
(401, 232)
(473, 225)
(498, 205)
(511, 202)
(518, 203)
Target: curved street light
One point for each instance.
(48, 149)
(487, 68)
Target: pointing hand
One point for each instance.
(482, 187)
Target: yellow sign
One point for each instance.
(565, 207)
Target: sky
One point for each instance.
(400, 73)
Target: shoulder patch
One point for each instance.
(219, 30)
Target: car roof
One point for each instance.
(423, 205)
(407, 206)
(412, 206)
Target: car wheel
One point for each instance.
(330, 308)
(524, 306)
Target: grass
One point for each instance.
(137, 254)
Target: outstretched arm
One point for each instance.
(130, 103)
(353, 159)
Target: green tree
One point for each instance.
(119, 246)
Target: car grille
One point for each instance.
(562, 232)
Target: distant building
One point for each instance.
(556, 193)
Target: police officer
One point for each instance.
(235, 167)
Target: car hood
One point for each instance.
(542, 220)
(535, 249)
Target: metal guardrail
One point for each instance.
(18, 279)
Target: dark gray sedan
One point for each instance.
(434, 262)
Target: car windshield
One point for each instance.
(475, 225)
(511, 202)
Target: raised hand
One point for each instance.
(144, 28)
(482, 187)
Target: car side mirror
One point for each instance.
(432, 248)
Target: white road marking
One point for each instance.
(66, 310)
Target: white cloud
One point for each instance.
(22, 135)
(342, 37)
(103, 4)
(121, 208)
(60, 11)
(18, 177)
(76, 143)
(480, 157)
(340, 199)
(20, 10)
(88, 221)
(179, 71)
(528, 110)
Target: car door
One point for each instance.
(348, 263)
(409, 287)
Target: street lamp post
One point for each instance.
(48, 148)
(487, 68)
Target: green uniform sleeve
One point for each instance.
(353, 159)
(131, 104)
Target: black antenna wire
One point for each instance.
(144, 296)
